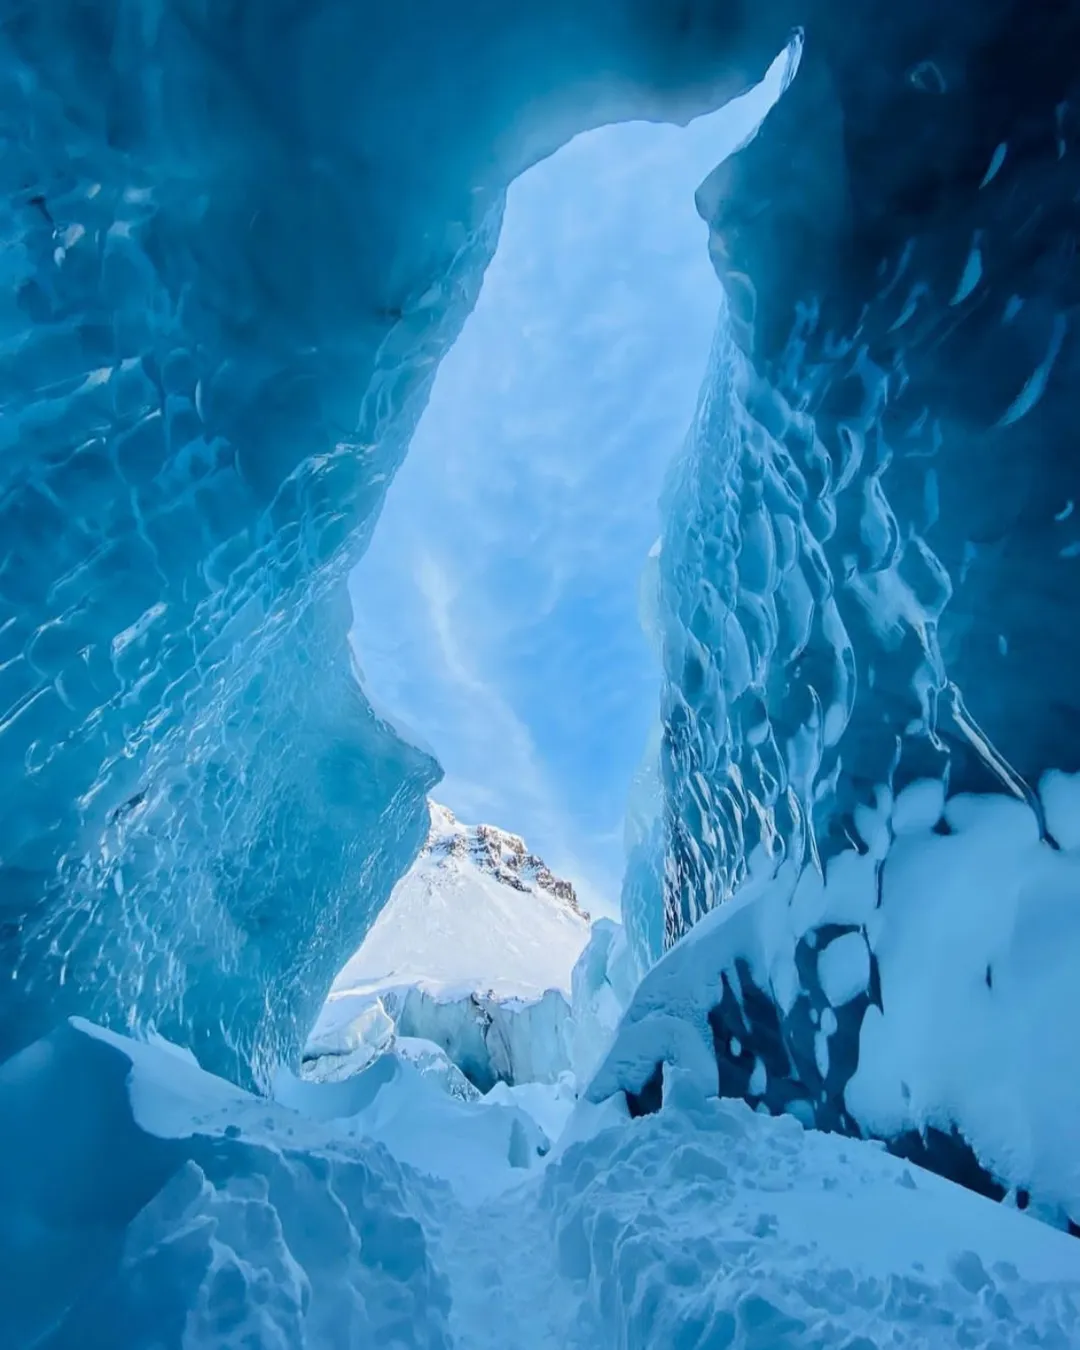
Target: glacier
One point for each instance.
(474, 952)
(864, 598)
(238, 239)
(866, 573)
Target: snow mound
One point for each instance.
(147, 1203)
(708, 1225)
(473, 952)
(921, 991)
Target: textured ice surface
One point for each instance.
(865, 603)
(236, 242)
(867, 573)
(603, 983)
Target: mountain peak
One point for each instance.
(497, 852)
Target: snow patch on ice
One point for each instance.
(844, 968)
(949, 959)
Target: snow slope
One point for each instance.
(477, 913)
(474, 951)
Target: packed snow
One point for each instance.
(384, 1200)
(177, 1209)
(925, 981)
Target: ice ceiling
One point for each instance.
(238, 238)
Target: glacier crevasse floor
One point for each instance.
(383, 1212)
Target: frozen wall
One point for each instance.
(867, 595)
(920, 993)
(236, 242)
(868, 574)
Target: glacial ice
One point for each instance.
(602, 984)
(865, 609)
(237, 241)
(236, 244)
(865, 572)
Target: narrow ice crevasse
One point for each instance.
(238, 242)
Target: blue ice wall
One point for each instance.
(869, 573)
(198, 803)
(237, 238)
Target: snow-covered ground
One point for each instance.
(165, 1207)
(708, 1226)
(474, 952)
(146, 1203)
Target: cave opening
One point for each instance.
(239, 241)
(498, 610)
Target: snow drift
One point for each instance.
(919, 992)
(172, 1208)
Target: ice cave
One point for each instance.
(301, 1046)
